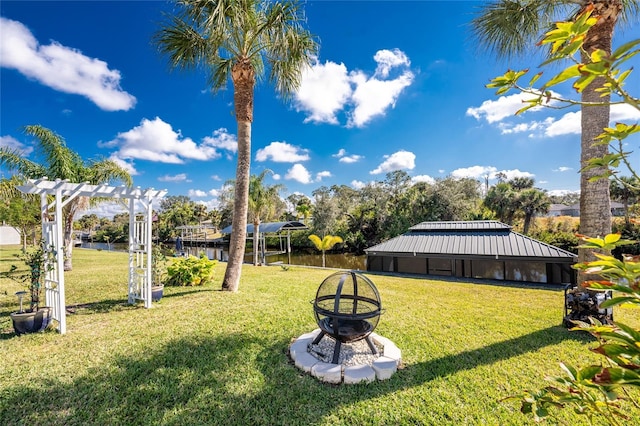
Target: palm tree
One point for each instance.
(324, 244)
(262, 202)
(511, 27)
(532, 201)
(233, 39)
(60, 162)
(503, 201)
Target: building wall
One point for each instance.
(507, 270)
(9, 235)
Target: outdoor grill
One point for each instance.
(347, 308)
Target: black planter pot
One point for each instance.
(31, 322)
(157, 292)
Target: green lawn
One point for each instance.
(203, 356)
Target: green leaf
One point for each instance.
(624, 49)
(571, 72)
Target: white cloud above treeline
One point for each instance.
(497, 111)
(282, 152)
(155, 140)
(12, 143)
(481, 172)
(62, 68)
(329, 88)
(401, 160)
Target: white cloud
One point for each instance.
(276, 176)
(480, 172)
(216, 177)
(323, 174)
(214, 192)
(401, 160)
(324, 90)
(107, 209)
(197, 193)
(561, 192)
(623, 113)
(62, 68)
(298, 173)
(474, 172)
(567, 124)
(13, 144)
(423, 178)
(512, 174)
(181, 177)
(155, 140)
(388, 59)
(505, 106)
(357, 184)
(563, 169)
(329, 88)
(347, 159)
(221, 139)
(127, 165)
(372, 97)
(282, 152)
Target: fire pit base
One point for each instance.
(380, 366)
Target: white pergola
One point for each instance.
(140, 238)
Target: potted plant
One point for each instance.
(158, 272)
(35, 318)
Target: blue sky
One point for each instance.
(396, 86)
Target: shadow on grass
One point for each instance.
(231, 380)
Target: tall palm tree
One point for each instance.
(511, 27)
(262, 202)
(234, 39)
(60, 162)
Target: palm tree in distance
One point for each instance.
(234, 39)
(512, 27)
(60, 162)
(262, 202)
(325, 244)
(532, 201)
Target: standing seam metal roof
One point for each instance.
(270, 227)
(486, 238)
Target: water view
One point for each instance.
(342, 261)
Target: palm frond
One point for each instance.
(14, 160)
(106, 171)
(510, 27)
(61, 162)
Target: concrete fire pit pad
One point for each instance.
(354, 368)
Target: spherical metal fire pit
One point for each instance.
(347, 308)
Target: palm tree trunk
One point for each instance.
(595, 204)
(243, 76)
(231, 280)
(527, 223)
(256, 240)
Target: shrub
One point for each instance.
(190, 271)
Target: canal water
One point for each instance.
(341, 261)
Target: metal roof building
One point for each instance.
(472, 249)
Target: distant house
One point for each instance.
(9, 235)
(472, 249)
(617, 209)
